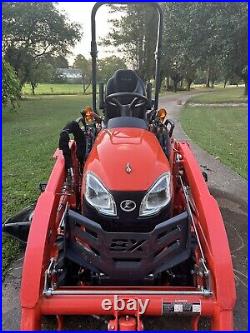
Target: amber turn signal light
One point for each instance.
(88, 114)
(162, 113)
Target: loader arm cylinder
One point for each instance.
(93, 52)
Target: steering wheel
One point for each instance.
(138, 101)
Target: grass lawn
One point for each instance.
(56, 89)
(30, 137)
(221, 95)
(221, 131)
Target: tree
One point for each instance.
(198, 37)
(134, 34)
(107, 66)
(223, 47)
(84, 65)
(178, 61)
(11, 88)
(41, 71)
(32, 30)
(59, 62)
(235, 46)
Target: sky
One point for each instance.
(80, 12)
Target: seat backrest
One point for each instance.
(124, 80)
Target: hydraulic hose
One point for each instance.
(64, 146)
(79, 137)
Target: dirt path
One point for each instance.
(231, 192)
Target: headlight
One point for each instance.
(98, 196)
(157, 197)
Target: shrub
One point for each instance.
(11, 88)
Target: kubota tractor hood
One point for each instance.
(127, 159)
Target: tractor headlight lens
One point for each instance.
(157, 197)
(99, 197)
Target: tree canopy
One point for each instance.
(133, 37)
(107, 66)
(198, 37)
(84, 65)
(34, 30)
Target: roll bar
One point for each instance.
(93, 52)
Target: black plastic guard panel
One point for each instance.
(18, 226)
(127, 255)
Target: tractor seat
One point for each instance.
(124, 80)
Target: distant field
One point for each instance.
(221, 95)
(221, 131)
(30, 137)
(56, 89)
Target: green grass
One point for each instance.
(30, 137)
(221, 95)
(221, 131)
(56, 89)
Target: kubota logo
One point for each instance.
(128, 205)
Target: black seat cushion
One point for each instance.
(124, 80)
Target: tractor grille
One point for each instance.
(126, 256)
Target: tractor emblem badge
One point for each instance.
(128, 168)
(128, 205)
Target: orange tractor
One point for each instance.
(125, 226)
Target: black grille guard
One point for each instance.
(127, 255)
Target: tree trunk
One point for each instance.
(175, 85)
(33, 86)
(140, 55)
(189, 82)
(208, 78)
(246, 87)
(83, 84)
(225, 83)
(86, 88)
(168, 85)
